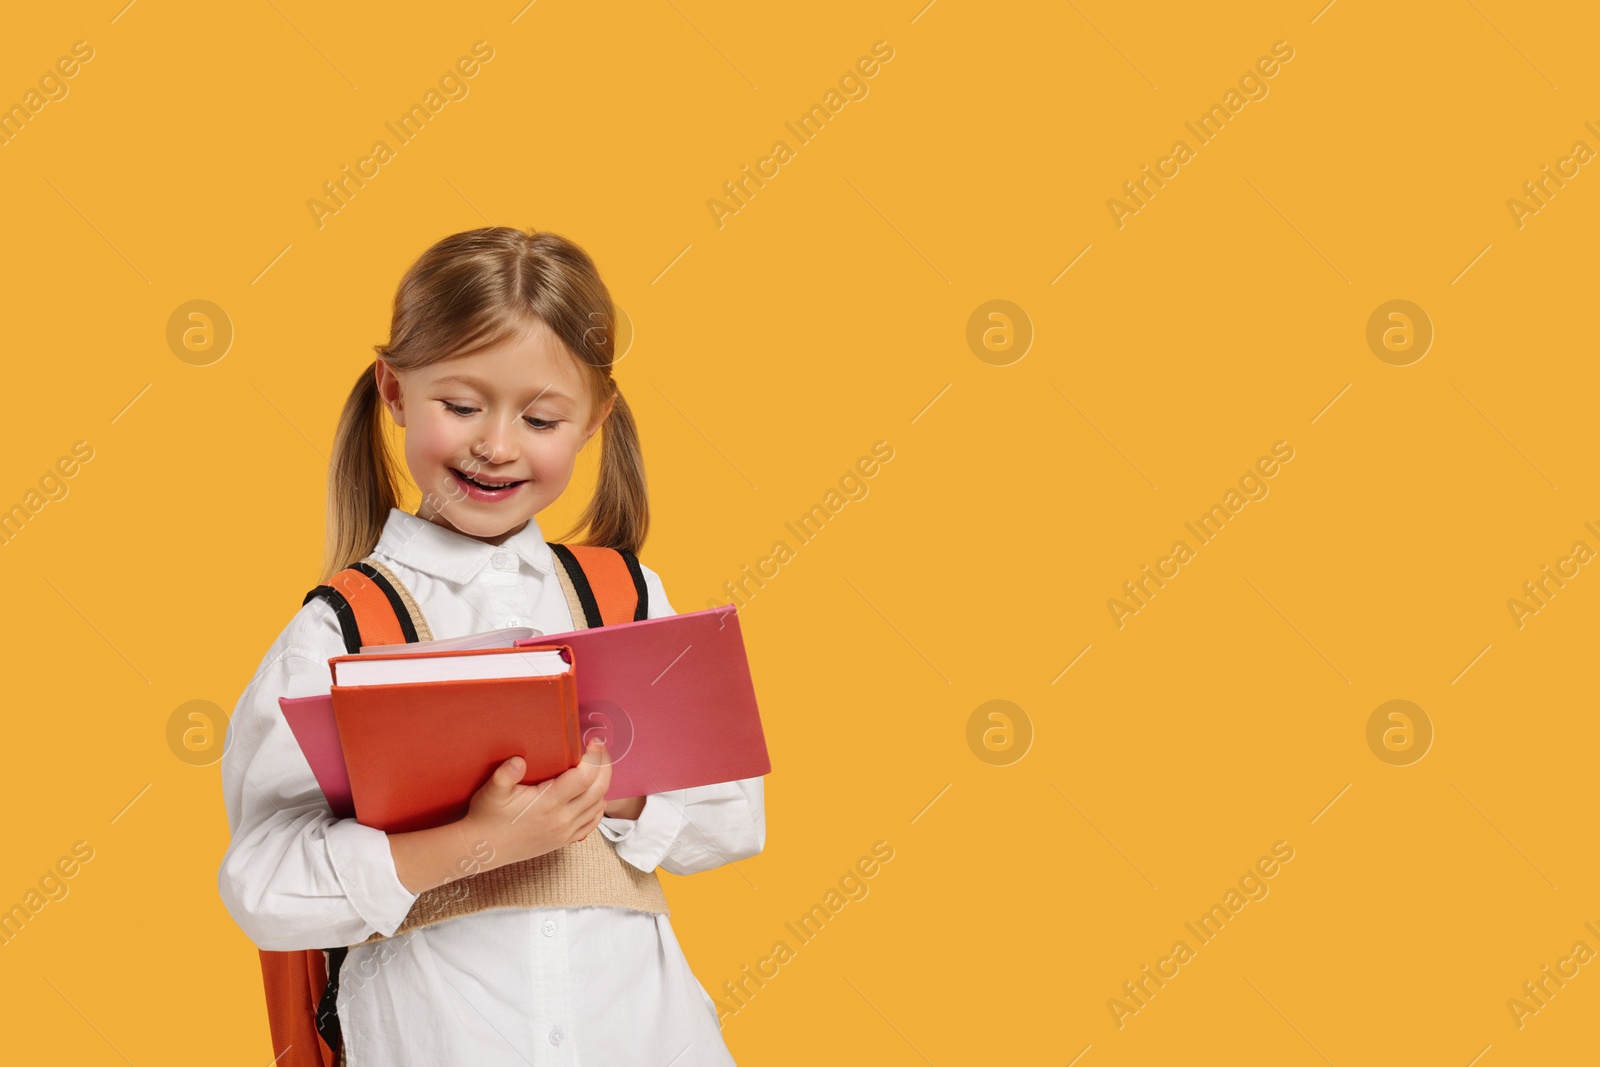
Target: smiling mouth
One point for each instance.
(487, 486)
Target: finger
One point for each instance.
(580, 776)
(533, 795)
(594, 791)
(589, 822)
(570, 794)
(575, 779)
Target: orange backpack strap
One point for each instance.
(606, 584)
(294, 983)
(373, 608)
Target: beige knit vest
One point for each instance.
(584, 873)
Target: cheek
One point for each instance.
(439, 436)
(430, 443)
(551, 459)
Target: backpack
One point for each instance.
(302, 987)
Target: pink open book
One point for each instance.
(672, 698)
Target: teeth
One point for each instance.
(485, 485)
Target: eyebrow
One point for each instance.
(480, 384)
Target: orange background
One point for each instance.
(1041, 860)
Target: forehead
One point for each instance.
(533, 365)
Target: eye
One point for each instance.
(457, 409)
(542, 424)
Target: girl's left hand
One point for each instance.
(625, 808)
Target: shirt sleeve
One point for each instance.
(293, 876)
(685, 831)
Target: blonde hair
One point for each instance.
(471, 291)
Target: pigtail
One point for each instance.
(618, 515)
(363, 481)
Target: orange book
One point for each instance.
(422, 732)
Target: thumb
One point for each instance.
(509, 773)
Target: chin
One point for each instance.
(486, 527)
(479, 525)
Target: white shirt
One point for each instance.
(590, 986)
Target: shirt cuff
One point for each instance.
(645, 841)
(365, 868)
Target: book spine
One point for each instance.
(569, 692)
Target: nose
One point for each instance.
(498, 445)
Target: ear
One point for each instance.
(600, 418)
(389, 390)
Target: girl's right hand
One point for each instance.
(522, 821)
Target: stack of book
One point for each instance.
(405, 734)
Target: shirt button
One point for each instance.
(513, 621)
(555, 1036)
(549, 928)
(503, 561)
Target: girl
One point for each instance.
(499, 369)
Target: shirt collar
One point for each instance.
(455, 557)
